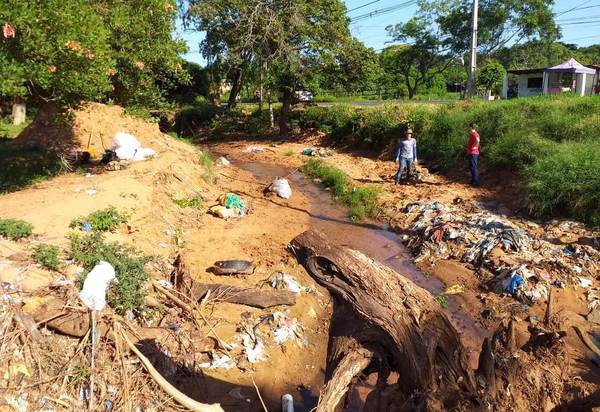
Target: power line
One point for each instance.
(383, 11)
(364, 5)
(573, 8)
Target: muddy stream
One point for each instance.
(375, 240)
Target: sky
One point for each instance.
(578, 19)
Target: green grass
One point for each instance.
(15, 229)
(129, 292)
(24, 166)
(442, 300)
(193, 202)
(289, 152)
(10, 131)
(362, 201)
(101, 220)
(208, 162)
(47, 256)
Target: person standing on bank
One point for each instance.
(406, 155)
(473, 154)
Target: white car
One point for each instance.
(304, 96)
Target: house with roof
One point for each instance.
(567, 77)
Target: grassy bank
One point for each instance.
(553, 141)
(362, 201)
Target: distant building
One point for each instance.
(568, 77)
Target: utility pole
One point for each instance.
(472, 82)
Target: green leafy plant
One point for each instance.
(129, 292)
(442, 300)
(289, 152)
(193, 202)
(101, 220)
(362, 201)
(15, 229)
(47, 256)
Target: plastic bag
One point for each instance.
(282, 188)
(93, 293)
(127, 147)
(232, 201)
(223, 212)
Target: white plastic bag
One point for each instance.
(282, 188)
(127, 147)
(143, 153)
(93, 294)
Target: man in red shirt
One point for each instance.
(473, 154)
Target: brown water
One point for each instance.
(371, 238)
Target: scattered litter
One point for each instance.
(254, 348)
(88, 175)
(282, 188)
(515, 282)
(286, 329)
(223, 212)
(313, 151)
(222, 162)
(281, 280)
(454, 290)
(86, 226)
(254, 149)
(232, 201)
(108, 405)
(165, 284)
(218, 362)
(84, 393)
(93, 293)
(584, 282)
(18, 402)
(287, 403)
(127, 147)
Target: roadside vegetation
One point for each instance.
(15, 229)
(47, 256)
(552, 141)
(129, 292)
(362, 201)
(101, 220)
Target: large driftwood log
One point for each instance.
(257, 298)
(387, 315)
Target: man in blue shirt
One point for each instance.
(406, 155)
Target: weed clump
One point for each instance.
(362, 201)
(47, 256)
(15, 229)
(193, 202)
(129, 293)
(101, 220)
(208, 162)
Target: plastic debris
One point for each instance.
(287, 329)
(454, 290)
(90, 192)
(222, 162)
(93, 293)
(282, 280)
(515, 282)
(165, 284)
(282, 188)
(313, 151)
(254, 348)
(127, 147)
(108, 405)
(254, 149)
(584, 282)
(18, 402)
(219, 362)
(232, 201)
(86, 226)
(223, 212)
(287, 403)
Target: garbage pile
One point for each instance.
(517, 262)
(127, 147)
(230, 206)
(313, 151)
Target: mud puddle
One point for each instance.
(372, 238)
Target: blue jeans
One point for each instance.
(405, 164)
(474, 166)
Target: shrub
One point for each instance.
(15, 229)
(192, 117)
(362, 201)
(567, 182)
(101, 220)
(47, 256)
(193, 202)
(23, 166)
(128, 294)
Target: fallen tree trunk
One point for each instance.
(245, 296)
(389, 316)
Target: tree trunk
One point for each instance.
(390, 316)
(19, 112)
(236, 86)
(284, 114)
